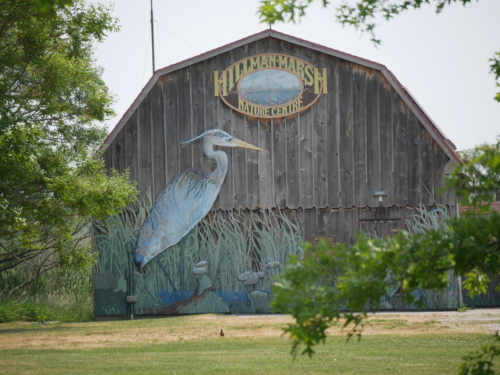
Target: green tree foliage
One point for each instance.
(51, 100)
(333, 277)
(364, 15)
(50, 7)
(495, 69)
(481, 363)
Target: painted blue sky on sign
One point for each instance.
(270, 87)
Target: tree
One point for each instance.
(50, 7)
(52, 98)
(331, 277)
(364, 15)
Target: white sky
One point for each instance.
(442, 59)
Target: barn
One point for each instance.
(345, 148)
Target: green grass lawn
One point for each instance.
(392, 344)
(422, 354)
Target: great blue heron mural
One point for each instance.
(187, 199)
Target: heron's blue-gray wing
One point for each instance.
(183, 203)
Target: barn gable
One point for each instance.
(362, 156)
(367, 119)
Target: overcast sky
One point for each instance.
(442, 59)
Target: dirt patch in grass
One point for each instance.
(20, 335)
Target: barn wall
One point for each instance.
(358, 138)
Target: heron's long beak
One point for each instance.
(240, 143)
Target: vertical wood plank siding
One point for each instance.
(321, 166)
(145, 149)
(132, 146)
(158, 139)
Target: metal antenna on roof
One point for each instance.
(152, 37)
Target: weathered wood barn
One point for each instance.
(346, 148)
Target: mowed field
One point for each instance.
(402, 343)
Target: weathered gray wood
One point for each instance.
(158, 140)
(313, 138)
(198, 94)
(373, 136)
(333, 222)
(172, 126)
(362, 198)
(224, 119)
(280, 163)
(266, 178)
(386, 135)
(440, 159)
(107, 157)
(292, 145)
(381, 228)
(145, 154)
(252, 137)
(238, 162)
(292, 162)
(350, 225)
(119, 152)
(400, 119)
(413, 154)
(184, 119)
(320, 155)
(320, 139)
(323, 222)
(333, 137)
(346, 134)
(309, 223)
(211, 102)
(426, 167)
(239, 165)
(132, 147)
(306, 169)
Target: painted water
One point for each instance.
(270, 87)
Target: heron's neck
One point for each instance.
(220, 158)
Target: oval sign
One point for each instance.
(270, 85)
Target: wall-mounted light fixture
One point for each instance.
(380, 194)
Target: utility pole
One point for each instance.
(152, 37)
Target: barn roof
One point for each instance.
(410, 101)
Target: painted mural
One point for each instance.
(225, 264)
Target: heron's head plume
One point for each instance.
(219, 137)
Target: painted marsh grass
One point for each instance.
(230, 243)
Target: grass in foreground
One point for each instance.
(191, 345)
(372, 355)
